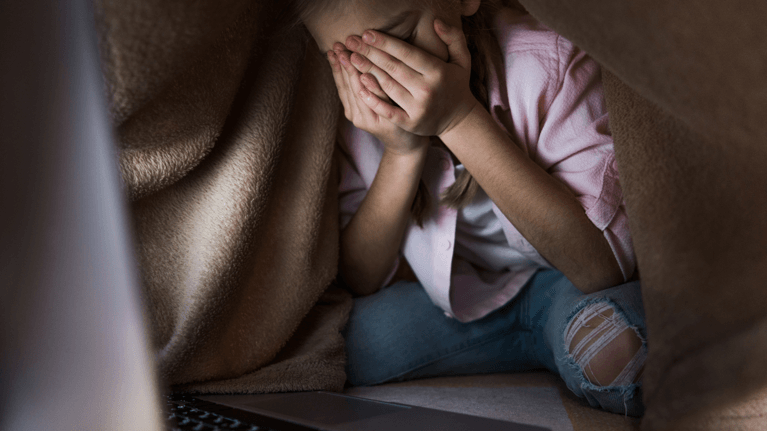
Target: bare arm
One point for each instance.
(371, 240)
(544, 211)
(434, 99)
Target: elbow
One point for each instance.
(599, 277)
(356, 283)
(363, 289)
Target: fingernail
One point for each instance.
(441, 26)
(352, 42)
(369, 37)
(343, 60)
(356, 59)
(364, 93)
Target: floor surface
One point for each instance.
(535, 398)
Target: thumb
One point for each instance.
(456, 43)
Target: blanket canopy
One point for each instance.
(226, 126)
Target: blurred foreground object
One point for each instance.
(73, 355)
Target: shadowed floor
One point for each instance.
(535, 398)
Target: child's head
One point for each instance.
(331, 21)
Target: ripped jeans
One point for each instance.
(398, 334)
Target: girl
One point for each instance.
(477, 149)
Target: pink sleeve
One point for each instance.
(576, 147)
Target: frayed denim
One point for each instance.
(398, 334)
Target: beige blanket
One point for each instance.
(687, 92)
(226, 127)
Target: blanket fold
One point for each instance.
(687, 99)
(226, 125)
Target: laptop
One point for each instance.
(74, 354)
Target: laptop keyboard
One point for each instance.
(189, 413)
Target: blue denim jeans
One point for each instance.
(399, 334)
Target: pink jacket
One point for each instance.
(548, 97)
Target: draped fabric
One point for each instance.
(226, 127)
(687, 96)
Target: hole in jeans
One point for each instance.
(602, 344)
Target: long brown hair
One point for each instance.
(484, 51)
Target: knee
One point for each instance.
(609, 352)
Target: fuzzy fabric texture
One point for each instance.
(687, 94)
(226, 126)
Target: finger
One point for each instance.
(353, 75)
(376, 89)
(385, 110)
(340, 81)
(352, 82)
(351, 78)
(381, 47)
(349, 94)
(455, 40)
(346, 93)
(371, 83)
(342, 55)
(372, 60)
(339, 47)
(335, 66)
(395, 88)
(346, 62)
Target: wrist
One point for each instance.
(415, 147)
(464, 131)
(468, 110)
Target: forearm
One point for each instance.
(371, 241)
(543, 209)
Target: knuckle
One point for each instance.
(387, 85)
(391, 65)
(427, 92)
(362, 62)
(368, 82)
(406, 54)
(438, 75)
